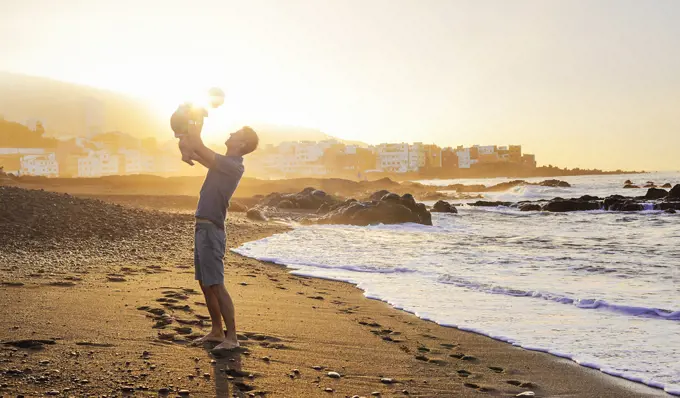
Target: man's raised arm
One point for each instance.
(206, 156)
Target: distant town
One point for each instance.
(25, 150)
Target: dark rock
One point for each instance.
(611, 200)
(286, 204)
(307, 199)
(391, 209)
(444, 207)
(630, 186)
(391, 197)
(570, 205)
(656, 193)
(236, 207)
(530, 207)
(376, 196)
(670, 211)
(628, 182)
(588, 198)
(256, 215)
(667, 206)
(667, 185)
(555, 183)
(627, 205)
(484, 203)
(319, 193)
(408, 200)
(674, 192)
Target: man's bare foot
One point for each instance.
(227, 345)
(210, 338)
(188, 161)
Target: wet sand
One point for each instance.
(113, 318)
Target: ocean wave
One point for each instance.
(244, 251)
(582, 303)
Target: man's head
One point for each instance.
(242, 142)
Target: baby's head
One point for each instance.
(216, 97)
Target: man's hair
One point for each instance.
(251, 138)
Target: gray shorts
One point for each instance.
(210, 243)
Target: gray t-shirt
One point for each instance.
(218, 187)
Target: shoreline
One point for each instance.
(624, 380)
(100, 318)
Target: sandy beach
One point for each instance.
(112, 316)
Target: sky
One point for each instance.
(581, 83)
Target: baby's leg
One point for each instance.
(185, 149)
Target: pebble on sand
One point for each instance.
(334, 375)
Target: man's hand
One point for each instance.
(206, 156)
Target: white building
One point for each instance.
(416, 156)
(98, 164)
(136, 162)
(298, 158)
(486, 149)
(464, 160)
(393, 157)
(39, 165)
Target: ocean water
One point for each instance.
(600, 288)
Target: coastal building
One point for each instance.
(136, 162)
(529, 160)
(433, 156)
(416, 156)
(45, 165)
(99, 163)
(449, 158)
(464, 158)
(393, 158)
(515, 153)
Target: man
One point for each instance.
(224, 174)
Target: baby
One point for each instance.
(188, 114)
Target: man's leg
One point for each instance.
(216, 333)
(201, 269)
(228, 313)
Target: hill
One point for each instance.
(68, 110)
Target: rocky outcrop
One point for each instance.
(504, 186)
(529, 207)
(562, 205)
(630, 186)
(626, 205)
(486, 203)
(376, 196)
(667, 185)
(389, 209)
(674, 193)
(656, 193)
(256, 215)
(610, 201)
(308, 199)
(443, 207)
(555, 183)
(237, 207)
